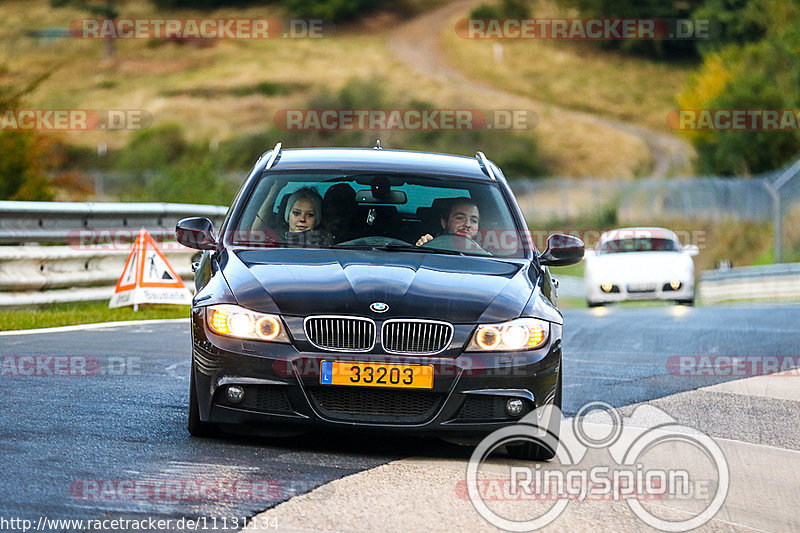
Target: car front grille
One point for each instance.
(349, 334)
(355, 404)
(420, 337)
(641, 287)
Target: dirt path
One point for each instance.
(417, 43)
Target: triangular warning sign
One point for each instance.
(148, 277)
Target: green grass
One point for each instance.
(571, 303)
(83, 313)
(572, 270)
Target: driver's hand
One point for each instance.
(425, 238)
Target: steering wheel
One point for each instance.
(375, 240)
(456, 243)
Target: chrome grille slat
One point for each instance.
(343, 333)
(418, 337)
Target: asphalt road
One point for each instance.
(79, 447)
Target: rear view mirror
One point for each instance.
(562, 250)
(197, 233)
(383, 197)
(691, 249)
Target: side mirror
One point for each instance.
(197, 233)
(562, 250)
(691, 249)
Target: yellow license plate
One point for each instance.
(376, 375)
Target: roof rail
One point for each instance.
(276, 154)
(484, 163)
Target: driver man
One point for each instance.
(462, 219)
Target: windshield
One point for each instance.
(368, 210)
(642, 244)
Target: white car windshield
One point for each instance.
(644, 244)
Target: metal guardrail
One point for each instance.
(97, 234)
(753, 283)
(55, 222)
(46, 274)
(766, 282)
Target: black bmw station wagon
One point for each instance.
(373, 288)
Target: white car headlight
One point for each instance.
(234, 321)
(519, 334)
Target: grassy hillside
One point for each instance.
(224, 89)
(574, 74)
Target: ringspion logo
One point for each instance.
(639, 459)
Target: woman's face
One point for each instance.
(302, 215)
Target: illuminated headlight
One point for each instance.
(675, 284)
(606, 287)
(235, 321)
(519, 334)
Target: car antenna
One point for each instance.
(378, 145)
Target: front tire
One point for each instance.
(196, 427)
(531, 451)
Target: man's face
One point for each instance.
(463, 220)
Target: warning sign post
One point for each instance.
(148, 278)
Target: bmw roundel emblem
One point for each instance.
(379, 307)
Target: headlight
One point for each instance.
(519, 334)
(234, 321)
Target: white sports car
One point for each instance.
(639, 264)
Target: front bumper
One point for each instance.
(623, 291)
(283, 390)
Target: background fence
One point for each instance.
(701, 198)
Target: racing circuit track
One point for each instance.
(127, 422)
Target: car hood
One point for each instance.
(639, 266)
(303, 282)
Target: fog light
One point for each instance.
(514, 407)
(235, 394)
